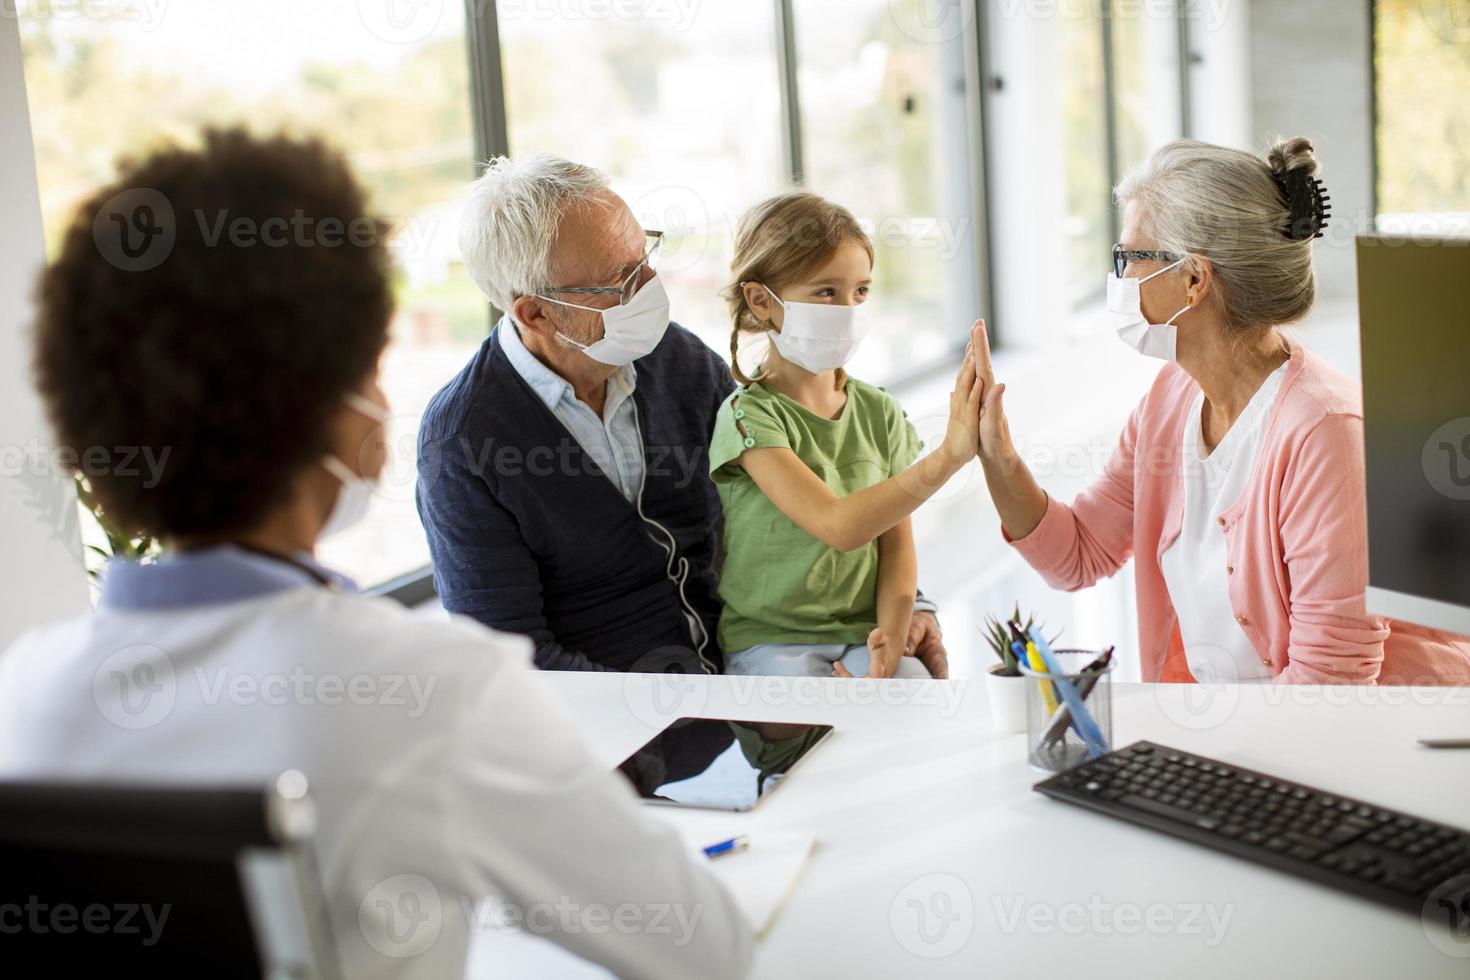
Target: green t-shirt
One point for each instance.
(780, 584)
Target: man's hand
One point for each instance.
(927, 643)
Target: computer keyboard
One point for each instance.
(1382, 854)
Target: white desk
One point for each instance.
(914, 800)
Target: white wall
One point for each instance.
(1267, 68)
(1027, 182)
(1311, 76)
(1219, 68)
(42, 576)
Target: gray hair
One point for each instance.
(510, 223)
(1227, 206)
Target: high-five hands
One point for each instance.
(962, 434)
(995, 434)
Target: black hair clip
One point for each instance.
(1306, 202)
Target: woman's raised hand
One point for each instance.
(995, 434)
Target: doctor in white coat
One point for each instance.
(454, 793)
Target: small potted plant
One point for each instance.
(1004, 683)
(119, 544)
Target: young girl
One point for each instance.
(817, 471)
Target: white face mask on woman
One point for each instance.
(357, 492)
(1125, 301)
(629, 331)
(819, 337)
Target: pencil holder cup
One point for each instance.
(1058, 739)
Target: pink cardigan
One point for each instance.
(1297, 539)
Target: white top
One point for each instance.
(1195, 565)
(446, 774)
(612, 440)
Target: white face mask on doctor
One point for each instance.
(1125, 302)
(629, 331)
(818, 337)
(357, 492)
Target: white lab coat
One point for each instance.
(433, 751)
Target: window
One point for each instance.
(680, 106)
(394, 94)
(1422, 64)
(1144, 48)
(885, 128)
(1084, 95)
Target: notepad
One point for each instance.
(760, 879)
(762, 876)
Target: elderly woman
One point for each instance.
(1237, 485)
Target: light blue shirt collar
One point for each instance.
(549, 386)
(219, 574)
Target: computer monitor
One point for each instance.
(1414, 308)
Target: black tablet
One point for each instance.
(717, 764)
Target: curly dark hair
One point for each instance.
(215, 304)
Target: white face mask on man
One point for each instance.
(357, 491)
(818, 337)
(629, 331)
(1125, 301)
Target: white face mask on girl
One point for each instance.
(357, 492)
(1126, 303)
(819, 337)
(629, 331)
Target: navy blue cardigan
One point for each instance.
(528, 535)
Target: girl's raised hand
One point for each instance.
(962, 434)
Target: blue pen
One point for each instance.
(730, 846)
(1087, 726)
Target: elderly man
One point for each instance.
(563, 473)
